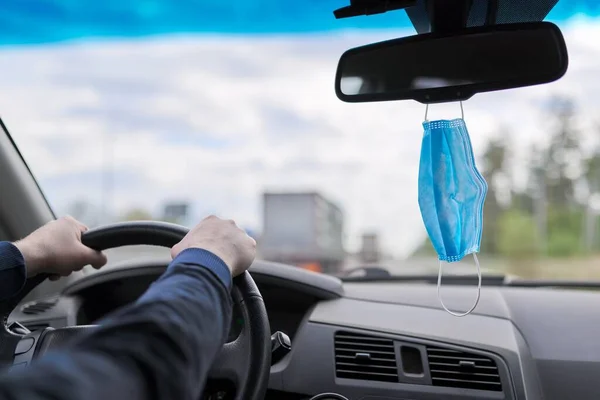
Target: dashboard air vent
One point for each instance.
(365, 357)
(452, 368)
(38, 307)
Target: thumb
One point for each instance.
(95, 258)
(175, 250)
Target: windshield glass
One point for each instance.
(173, 111)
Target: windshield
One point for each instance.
(167, 111)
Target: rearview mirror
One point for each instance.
(434, 68)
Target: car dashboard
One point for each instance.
(387, 340)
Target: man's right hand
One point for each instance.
(222, 238)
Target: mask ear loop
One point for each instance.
(439, 285)
(462, 111)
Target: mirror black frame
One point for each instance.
(456, 93)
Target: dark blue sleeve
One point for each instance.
(12, 270)
(160, 347)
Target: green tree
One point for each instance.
(564, 244)
(592, 172)
(554, 173)
(517, 235)
(136, 214)
(592, 183)
(494, 167)
(565, 232)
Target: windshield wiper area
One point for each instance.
(554, 283)
(380, 274)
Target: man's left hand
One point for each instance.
(56, 249)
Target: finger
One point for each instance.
(175, 250)
(73, 222)
(100, 260)
(82, 227)
(252, 240)
(96, 259)
(79, 267)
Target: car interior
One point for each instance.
(297, 334)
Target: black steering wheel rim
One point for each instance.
(252, 347)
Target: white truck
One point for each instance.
(302, 229)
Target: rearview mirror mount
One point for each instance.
(435, 68)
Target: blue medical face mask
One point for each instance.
(451, 194)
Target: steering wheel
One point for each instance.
(245, 362)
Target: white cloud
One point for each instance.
(217, 120)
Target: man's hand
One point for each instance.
(222, 238)
(56, 249)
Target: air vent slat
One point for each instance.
(433, 364)
(458, 383)
(458, 369)
(356, 349)
(459, 358)
(464, 380)
(359, 374)
(359, 337)
(39, 307)
(469, 376)
(344, 358)
(369, 341)
(441, 371)
(365, 357)
(359, 365)
(363, 345)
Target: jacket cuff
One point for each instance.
(12, 270)
(206, 259)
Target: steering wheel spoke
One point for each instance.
(231, 362)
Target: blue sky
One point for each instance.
(215, 118)
(42, 21)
